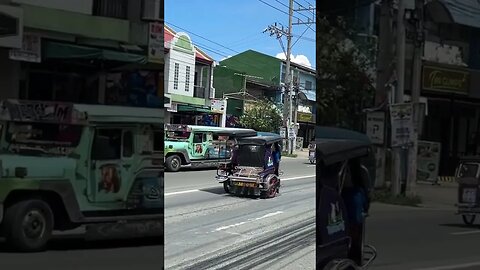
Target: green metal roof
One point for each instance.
(121, 114)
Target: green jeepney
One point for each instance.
(65, 165)
(199, 146)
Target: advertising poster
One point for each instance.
(402, 124)
(376, 127)
(428, 160)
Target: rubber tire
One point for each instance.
(267, 195)
(13, 220)
(312, 161)
(169, 161)
(226, 187)
(468, 221)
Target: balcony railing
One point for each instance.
(111, 8)
(199, 92)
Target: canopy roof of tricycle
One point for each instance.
(259, 140)
(336, 144)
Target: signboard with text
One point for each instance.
(218, 105)
(376, 127)
(401, 116)
(428, 160)
(448, 80)
(31, 50)
(155, 43)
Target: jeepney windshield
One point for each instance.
(43, 135)
(177, 135)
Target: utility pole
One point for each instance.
(384, 73)
(289, 74)
(398, 160)
(416, 88)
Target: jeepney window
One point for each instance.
(177, 135)
(127, 144)
(44, 134)
(199, 137)
(107, 144)
(158, 141)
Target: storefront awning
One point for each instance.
(57, 50)
(188, 108)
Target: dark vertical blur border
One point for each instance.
(162, 142)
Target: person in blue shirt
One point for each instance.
(277, 156)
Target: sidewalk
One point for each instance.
(437, 196)
(303, 154)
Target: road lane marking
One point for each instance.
(196, 190)
(451, 267)
(465, 232)
(249, 220)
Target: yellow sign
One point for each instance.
(446, 80)
(305, 117)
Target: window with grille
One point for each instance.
(187, 78)
(175, 76)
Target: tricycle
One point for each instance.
(468, 178)
(342, 199)
(251, 169)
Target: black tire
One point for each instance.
(28, 225)
(271, 192)
(312, 161)
(173, 163)
(468, 219)
(226, 186)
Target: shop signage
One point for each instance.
(155, 43)
(446, 80)
(218, 105)
(11, 26)
(31, 50)
(376, 127)
(401, 116)
(305, 117)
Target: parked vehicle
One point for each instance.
(196, 146)
(251, 171)
(66, 165)
(342, 177)
(468, 178)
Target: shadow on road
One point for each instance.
(79, 243)
(215, 190)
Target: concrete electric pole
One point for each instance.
(416, 88)
(289, 93)
(398, 161)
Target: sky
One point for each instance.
(223, 28)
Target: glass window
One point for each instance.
(107, 144)
(198, 138)
(175, 76)
(128, 145)
(187, 78)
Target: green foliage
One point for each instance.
(262, 116)
(345, 77)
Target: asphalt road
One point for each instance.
(208, 229)
(428, 238)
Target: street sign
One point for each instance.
(376, 127)
(401, 116)
(11, 26)
(291, 133)
(283, 132)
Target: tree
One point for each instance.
(345, 76)
(263, 116)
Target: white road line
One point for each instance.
(196, 190)
(456, 266)
(245, 222)
(465, 232)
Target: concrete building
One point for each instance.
(89, 51)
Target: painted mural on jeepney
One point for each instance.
(146, 193)
(40, 111)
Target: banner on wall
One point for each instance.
(31, 50)
(155, 43)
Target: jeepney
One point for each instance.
(66, 165)
(197, 146)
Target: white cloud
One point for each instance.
(226, 57)
(299, 59)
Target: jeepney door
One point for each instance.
(200, 144)
(111, 164)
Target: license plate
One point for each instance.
(469, 195)
(243, 184)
